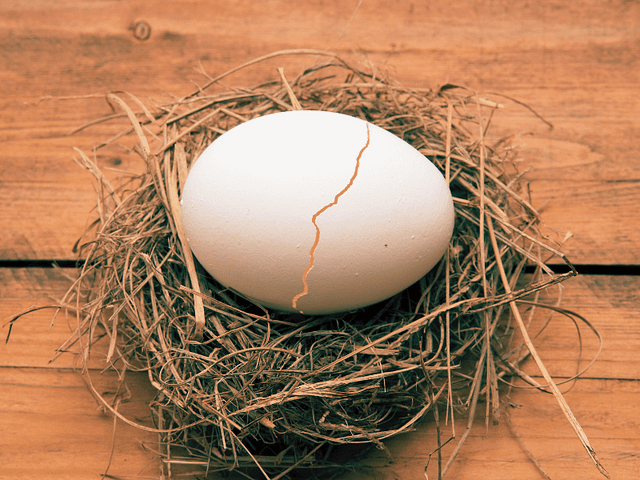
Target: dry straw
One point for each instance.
(270, 394)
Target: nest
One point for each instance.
(243, 388)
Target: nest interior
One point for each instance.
(243, 388)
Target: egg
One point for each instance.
(315, 212)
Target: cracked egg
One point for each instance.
(315, 212)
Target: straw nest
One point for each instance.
(246, 389)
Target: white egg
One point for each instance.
(315, 212)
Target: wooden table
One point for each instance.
(576, 63)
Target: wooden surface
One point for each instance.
(576, 63)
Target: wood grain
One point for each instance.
(576, 64)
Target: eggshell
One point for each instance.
(315, 212)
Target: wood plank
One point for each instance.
(52, 427)
(610, 303)
(577, 64)
(497, 453)
(50, 424)
(34, 338)
(604, 401)
(40, 397)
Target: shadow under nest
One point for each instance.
(244, 389)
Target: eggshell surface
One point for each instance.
(315, 212)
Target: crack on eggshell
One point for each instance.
(294, 302)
